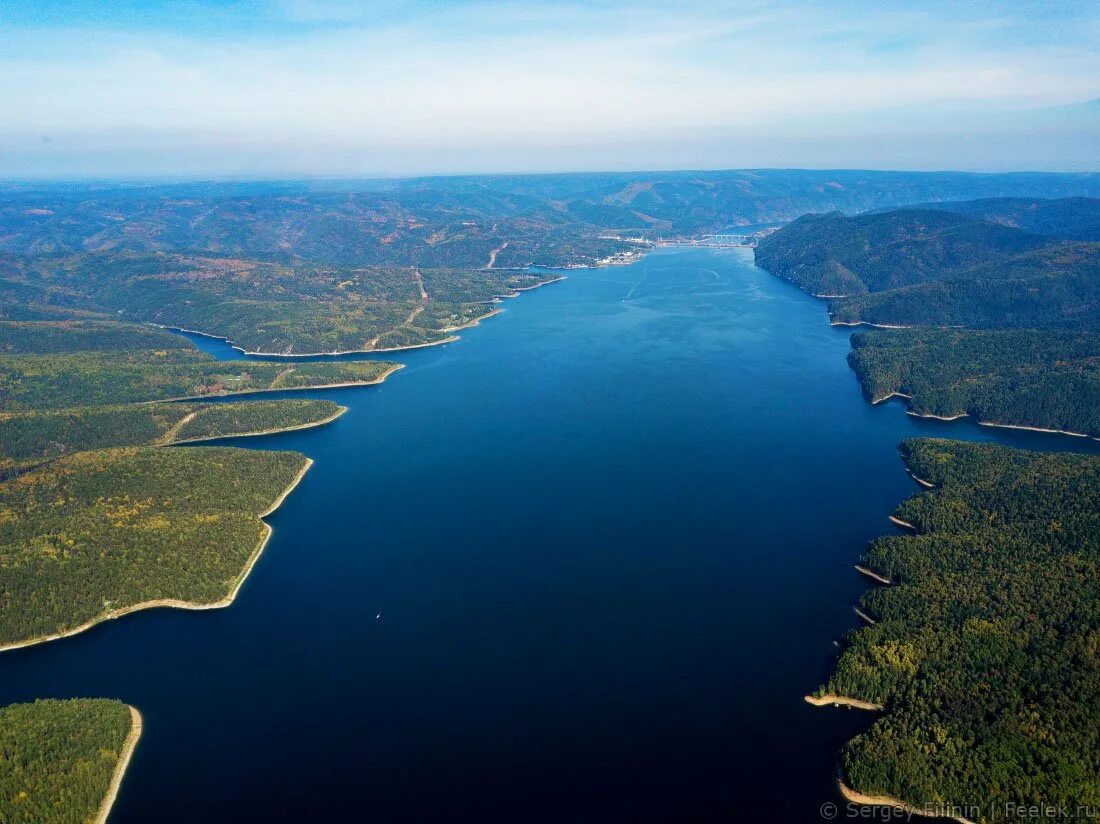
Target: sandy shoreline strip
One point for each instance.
(1038, 429)
(901, 523)
(959, 415)
(449, 339)
(857, 797)
(864, 616)
(273, 431)
(862, 570)
(935, 417)
(244, 351)
(245, 392)
(829, 700)
(473, 322)
(891, 395)
(124, 756)
(867, 323)
(176, 603)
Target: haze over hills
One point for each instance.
(457, 221)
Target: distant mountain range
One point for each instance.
(457, 221)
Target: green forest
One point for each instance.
(101, 378)
(262, 306)
(96, 532)
(1000, 300)
(30, 438)
(985, 649)
(1057, 288)
(58, 758)
(1049, 380)
(48, 337)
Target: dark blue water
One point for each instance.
(610, 534)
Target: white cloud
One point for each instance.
(538, 79)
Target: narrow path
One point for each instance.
(413, 315)
(170, 435)
(493, 254)
(275, 383)
(423, 299)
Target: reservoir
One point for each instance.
(582, 564)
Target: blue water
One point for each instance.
(610, 533)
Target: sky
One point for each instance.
(334, 88)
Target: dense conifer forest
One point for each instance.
(58, 758)
(1049, 380)
(949, 270)
(985, 649)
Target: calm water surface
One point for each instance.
(610, 535)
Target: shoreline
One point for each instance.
(829, 699)
(336, 353)
(177, 603)
(901, 523)
(885, 398)
(1039, 429)
(516, 290)
(862, 570)
(930, 416)
(867, 323)
(470, 324)
(857, 797)
(275, 431)
(340, 352)
(373, 382)
(124, 757)
(864, 616)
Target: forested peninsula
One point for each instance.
(98, 534)
(980, 637)
(1017, 378)
(63, 761)
(991, 308)
(985, 647)
(31, 438)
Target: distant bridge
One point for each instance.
(707, 241)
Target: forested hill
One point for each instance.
(985, 651)
(458, 221)
(1071, 218)
(835, 255)
(1057, 287)
(1004, 324)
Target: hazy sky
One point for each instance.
(290, 87)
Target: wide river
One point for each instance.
(582, 564)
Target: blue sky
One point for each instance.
(394, 87)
